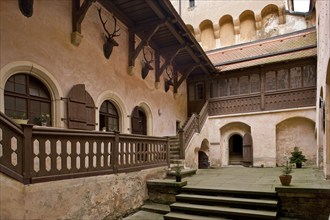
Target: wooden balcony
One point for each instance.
(36, 154)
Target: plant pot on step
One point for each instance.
(298, 165)
(285, 180)
(178, 178)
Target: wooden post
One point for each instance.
(27, 153)
(115, 152)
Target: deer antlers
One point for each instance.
(146, 64)
(169, 81)
(110, 41)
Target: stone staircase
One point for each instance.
(174, 148)
(213, 203)
(176, 161)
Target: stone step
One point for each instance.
(227, 192)
(222, 211)
(228, 201)
(184, 173)
(156, 208)
(145, 215)
(183, 216)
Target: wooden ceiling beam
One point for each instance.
(111, 7)
(133, 53)
(186, 74)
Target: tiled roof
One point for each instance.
(291, 46)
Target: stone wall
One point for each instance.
(304, 203)
(108, 196)
(218, 129)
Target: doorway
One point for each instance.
(235, 150)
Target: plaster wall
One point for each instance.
(110, 196)
(262, 125)
(323, 81)
(268, 19)
(42, 45)
(214, 10)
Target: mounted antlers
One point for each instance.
(146, 67)
(110, 41)
(169, 81)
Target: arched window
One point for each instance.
(27, 97)
(109, 119)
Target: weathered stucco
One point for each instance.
(108, 196)
(218, 130)
(41, 46)
(323, 82)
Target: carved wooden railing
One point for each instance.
(263, 102)
(36, 154)
(194, 124)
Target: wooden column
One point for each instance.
(27, 163)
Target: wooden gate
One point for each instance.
(247, 150)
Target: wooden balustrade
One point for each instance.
(36, 154)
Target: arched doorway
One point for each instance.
(203, 158)
(139, 121)
(235, 149)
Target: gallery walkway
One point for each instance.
(242, 178)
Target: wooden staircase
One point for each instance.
(213, 203)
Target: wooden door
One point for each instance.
(247, 150)
(139, 121)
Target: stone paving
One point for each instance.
(261, 179)
(243, 178)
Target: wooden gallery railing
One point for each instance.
(193, 125)
(36, 154)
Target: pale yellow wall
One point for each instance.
(218, 129)
(110, 196)
(41, 45)
(296, 132)
(269, 19)
(323, 79)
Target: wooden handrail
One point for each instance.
(33, 154)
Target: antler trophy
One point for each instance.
(110, 41)
(146, 67)
(169, 81)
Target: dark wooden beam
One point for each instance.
(146, 26)
(133, 53)
(111, 7)
(78, 13)
(186, 74)
(157, 66)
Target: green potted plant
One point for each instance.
(19, 118)
(297, 157)
(43, 119)
(177, 170)
(285, 178)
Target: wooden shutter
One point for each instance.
(139, 121)
(81, 109)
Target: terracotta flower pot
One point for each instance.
(285, 180)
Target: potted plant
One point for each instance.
(177, 170)
(285, 178)
(19, 118)
(297, 157)
(43, 119)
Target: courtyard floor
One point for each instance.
(260, 179)
(243, 178)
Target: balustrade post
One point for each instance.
(197, 123)
(27, 162)
(181, 137)
(115, 152)
(168, 151)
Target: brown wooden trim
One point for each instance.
(11, 173)
(79, 12)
